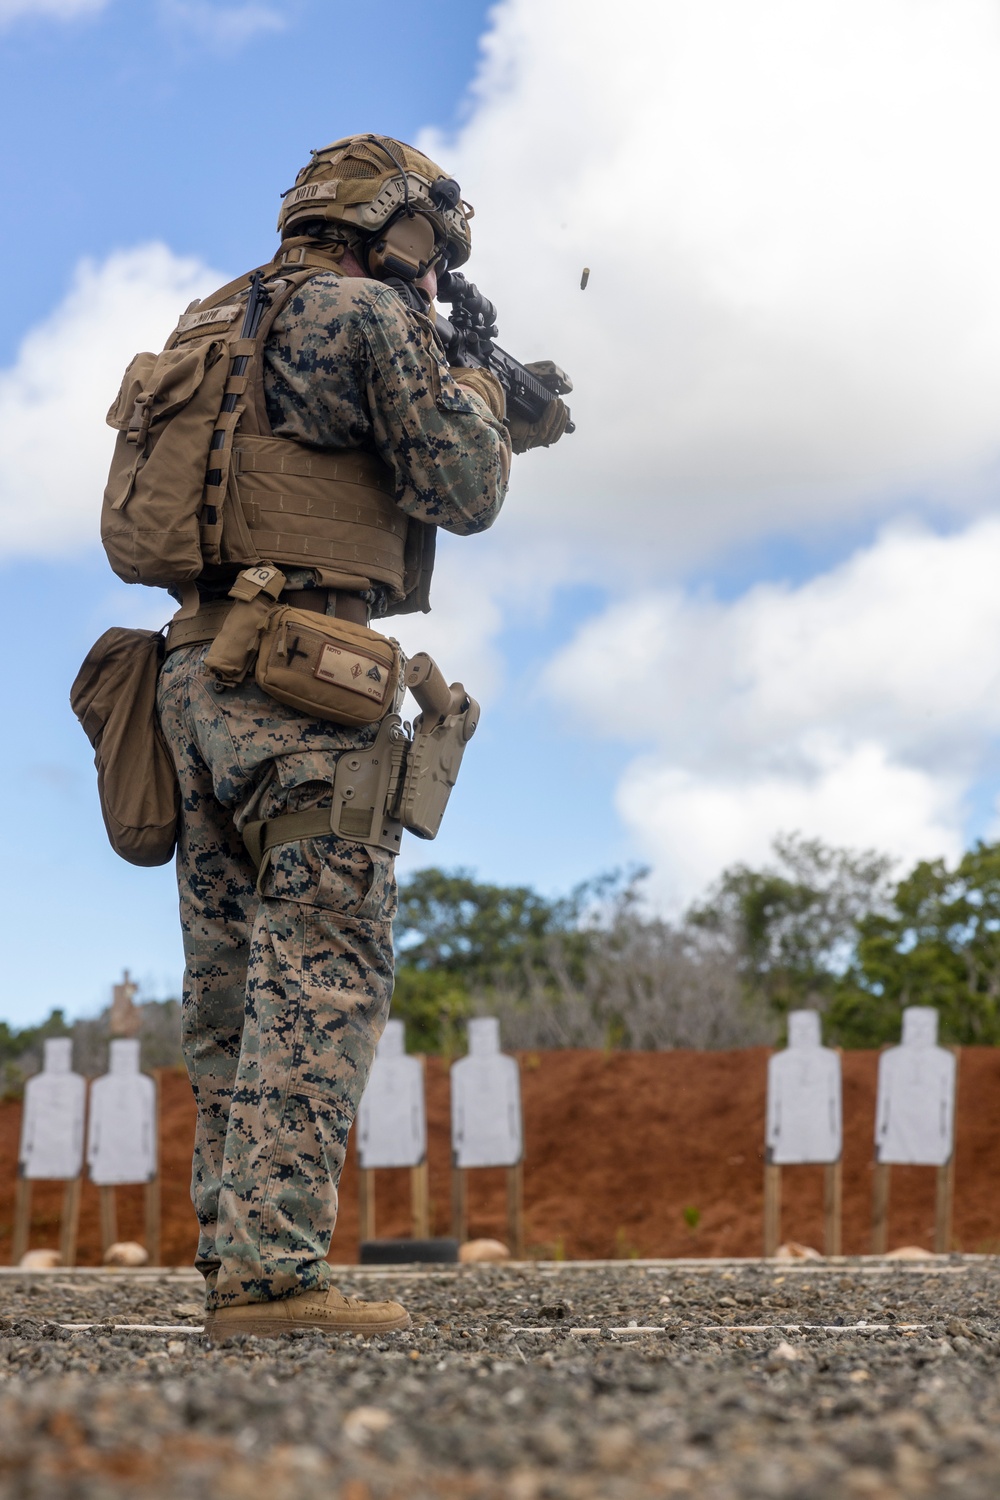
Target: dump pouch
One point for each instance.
(114, 697)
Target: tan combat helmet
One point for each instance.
(378, 189)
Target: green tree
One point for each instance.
(939, 945)
(458, 939)
(21, 1049)
(794, 923)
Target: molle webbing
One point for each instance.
(221, 450)
(321, 508)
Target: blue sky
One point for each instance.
(755, 590)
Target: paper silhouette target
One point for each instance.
(915, 1113)
(804, 1097)
(121, 1138)
(392, 1118)
(486, 1129)
(55, 1102)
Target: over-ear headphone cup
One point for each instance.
(407, 247)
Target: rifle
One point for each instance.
(468, 338)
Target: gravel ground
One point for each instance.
(520, 1382)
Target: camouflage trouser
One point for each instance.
(285, 995)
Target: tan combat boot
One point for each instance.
(328, 1311)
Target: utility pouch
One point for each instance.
(234, 650)
(114, 697)
(328, 668)
(445, 726)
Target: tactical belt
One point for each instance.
(200, 628)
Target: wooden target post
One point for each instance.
(944, 1199)
(420, 1203)
(832, 1208)
(107, 1198)
(515, 1206)
(937, 1094)
(69, 1221)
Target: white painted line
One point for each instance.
(734, 1328)
(576, 1332)
(134, 1327)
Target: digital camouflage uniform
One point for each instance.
(286, 993)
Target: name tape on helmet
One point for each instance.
(311, 192)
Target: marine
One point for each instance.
(347, 441)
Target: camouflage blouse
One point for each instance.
(347, 365)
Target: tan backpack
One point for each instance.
(176, 414)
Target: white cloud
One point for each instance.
(861, 706)
(54, 444)
(224, 25)
(690, 826)
(60, 10)
(793, 308)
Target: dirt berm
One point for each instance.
(627, 1154)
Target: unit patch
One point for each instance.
(349, 669)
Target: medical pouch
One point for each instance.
(327, 667)
(114, 697)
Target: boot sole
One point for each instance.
(268, 1328)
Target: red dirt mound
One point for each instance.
(627, 1153)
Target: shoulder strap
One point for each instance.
(255, 413)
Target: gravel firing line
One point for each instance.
(475, 1403)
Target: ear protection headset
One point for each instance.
(409, 243)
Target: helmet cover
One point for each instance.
(365, 181)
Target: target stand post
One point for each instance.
(69, 1221)
(420, 1207)
(832, 1207)
(515, 1206)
